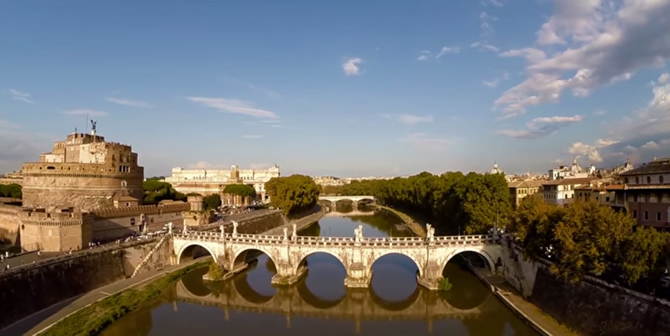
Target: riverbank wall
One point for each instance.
(31, 288)
(591, 307)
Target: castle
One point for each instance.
(85, 190)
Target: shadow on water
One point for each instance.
(319, 304)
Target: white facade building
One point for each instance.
(254, 177)
(562, 192)
(574, 171)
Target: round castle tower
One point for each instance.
(84, 172)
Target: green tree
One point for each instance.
(11, 190)
(641, 253)
(156, 191)
(243, 190)
(212, 201)
(292, 194)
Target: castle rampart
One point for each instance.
(9, 223)
(54, 230)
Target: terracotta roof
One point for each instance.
(570, 181)
(616, 187)
(525, 184)
(126, 198)
(660, 166)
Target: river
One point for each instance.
(320, 304)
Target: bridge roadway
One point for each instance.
(354, 199)
(431, 254)
(357, 305)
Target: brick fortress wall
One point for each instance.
(9, 223)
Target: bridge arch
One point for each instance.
(305, 255)
(386, 253)
(188, 249)
(242, 255)
(481, 251)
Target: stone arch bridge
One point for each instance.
(354, 199)
(233, 252)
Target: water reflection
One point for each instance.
(319, 304)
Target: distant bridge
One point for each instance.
(354, 199)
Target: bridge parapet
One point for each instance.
(357, 254)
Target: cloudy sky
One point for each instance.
(345, 88)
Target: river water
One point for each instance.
(320, 304)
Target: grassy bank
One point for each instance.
(93, 319)
(417, 228)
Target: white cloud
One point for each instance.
(88, 112)
(483, 46)
(408, 119)
(351, 66)
(202, 165)
(486, 24)
(663, 78)
(540, 127)
(414, 119)
(448, 50)
(234, 106)
(602, 44)
(277, 126)
(494, 83)
(650, 145)
(19, 144)
(267, 92)
(599, 113)
(252, 136)
(421, 141)
(129, 102)
(424, 55)
(531, 55)
(21, 96)
(583, 150)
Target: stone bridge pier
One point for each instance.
(233, 252)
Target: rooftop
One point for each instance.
(657, 166)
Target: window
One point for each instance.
(658, 216)
(607, 199)
(634, 213)
(637, 180)
(660, 179)
(635, 198)
(646, 215)
(625, 180)
(648, 179)
(132, 221)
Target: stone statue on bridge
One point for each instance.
(235, 224)
(294, 235)
(185, 231)
(358, 234)
(223, 233)
(285, 234)
(170, 227)
(430, 232)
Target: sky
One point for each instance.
(340, 88)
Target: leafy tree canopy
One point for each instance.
(243, 190)
(292, 194)
(11, 190)
(471, 203)
(587, 239)
(156, 191)
(212, 201)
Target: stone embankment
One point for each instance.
(37, 286)
(301, 223)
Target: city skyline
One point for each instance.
(343, 89)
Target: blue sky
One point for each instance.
(344, 88)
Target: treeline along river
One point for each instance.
(320, 304)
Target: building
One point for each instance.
(573, 171)
(562, 192)
(211, 181)
(496, 170)
(600, 191)
(85, 172)
(647, 193)
(521, 189)
(85, 190)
